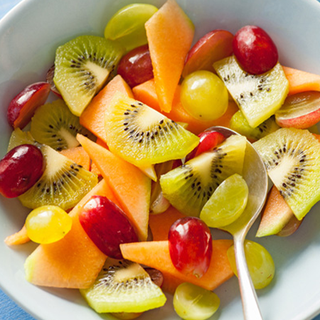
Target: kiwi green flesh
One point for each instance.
(143, 136)
(123, 286)
(292, 159)
(258, 96)
(54, 125)
(82, 67)
(240, 124)
(19, 137)
(63, 183)
(190, 186)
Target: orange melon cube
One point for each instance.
(77, 155)
(74, 261)
(170, 33)
(156, 254)
(17, 238)
(146, 93)
(92, 117)
(129, 184)
(161, 223)
(300, 81)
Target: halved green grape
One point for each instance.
(194, 303)
(204, 95)
(260, 263)
(227, 202)
(48, 224)
(127, 25)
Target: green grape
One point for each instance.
(48, 224)
(260, 263)
(227, 202)
(127, 25)
(194, 303)
(204, 96)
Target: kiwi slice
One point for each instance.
(292, 159)
(191, 185)
(240, 124)
(144, 136)
(82, 67)
(19, 137)
(258, 96)
(123, 286)
(53, 124)
(63, 183)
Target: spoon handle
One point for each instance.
(251, 310)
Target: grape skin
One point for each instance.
(260, 263)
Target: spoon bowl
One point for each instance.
(255, 174)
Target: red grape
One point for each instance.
(213, 46)
(20, 169)
(208, 141)
(22, 106)
(107, 225)
(254, 50)
(190, 246)
(49, 78)
(135, 67)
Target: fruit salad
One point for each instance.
(119, 160)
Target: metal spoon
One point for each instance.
(255, 174)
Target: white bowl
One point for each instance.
(29, 35)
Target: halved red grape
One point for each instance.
(49, 78)
(22, 106)
(135, 67)
(190, 246)
(208, 141)
(254, 50)
(107, 225)
(213, 46)
(20, 169)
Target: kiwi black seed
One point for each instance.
(258, 96)
(292, 159)
(63, 183)
(123, 286)
(143, 136)
(53, 124)
(190, 186)
(82, 66)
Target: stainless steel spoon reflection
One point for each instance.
(255, 174)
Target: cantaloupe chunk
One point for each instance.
(161, 223)
(146, 93)
(92, 117)
(170, 33)
(131, 187)
(93, 167)
(17, 238)
(74, 261)
(156, 254)
(77, 155)
(275, 215)
(300, 81)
